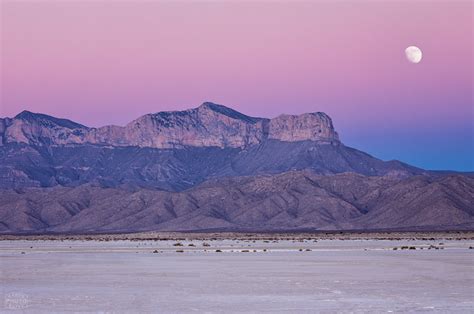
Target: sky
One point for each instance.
(108, 62)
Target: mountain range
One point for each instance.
(213, 168)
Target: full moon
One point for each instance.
(413, 54)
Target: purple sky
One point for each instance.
(108, 62)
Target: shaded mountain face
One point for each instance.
(297, 200)
(178, 169)
(212, 168)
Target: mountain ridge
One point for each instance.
(213, 168)
(291, 201)
(208, 125)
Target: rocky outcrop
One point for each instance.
(3, 126)
(209, 125)
(39, 129)
(308, 126)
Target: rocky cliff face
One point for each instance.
(309, 126)
(38, 129)
(209, 125)
(3, 126)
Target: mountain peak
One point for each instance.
(25, 114)
(29, 116)
(231, 113)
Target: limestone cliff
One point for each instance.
(209, 125)
(309, 126)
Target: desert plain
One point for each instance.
(213, 273)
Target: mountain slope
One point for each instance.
(291, 201)
(177, 169)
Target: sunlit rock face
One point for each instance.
(209, 125)
(38, 129)
(309, 126)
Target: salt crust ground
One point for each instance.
(301, 275)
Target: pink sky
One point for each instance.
(108, 62)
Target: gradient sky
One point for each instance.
(108, 62)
